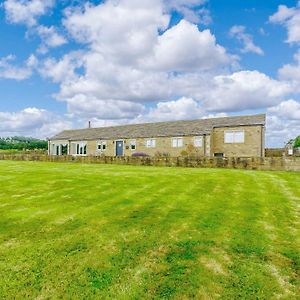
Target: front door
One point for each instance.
(119, 148)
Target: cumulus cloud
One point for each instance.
(289, 18)
(50, 38)
(90, 107)
(32, 122)
(9, 70)
(124, 32)
(239, 32)
(244, 90)
(291, 72)
(192, 10)
(181, 109)
(283, 122)
(26, 11)
(184, 48)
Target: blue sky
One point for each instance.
(63, 63)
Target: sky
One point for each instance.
(64, 63)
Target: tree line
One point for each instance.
(22, 143)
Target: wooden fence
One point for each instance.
(268, 163)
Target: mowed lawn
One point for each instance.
(74, 231)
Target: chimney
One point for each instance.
(90, 124)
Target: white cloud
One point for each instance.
(50, 38)
(288, 110)
(9, 71)
(26, 11)
(63, 70)
(139, 66)
(184, 48)
(283, 122)
(192, 10)
(90, 107)
(239, 32)
(124, 31)
(244, 90)
(181, 109)
(289, 18)
(32, 122)
(291, 72)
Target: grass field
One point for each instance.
(71, 231)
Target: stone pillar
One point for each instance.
(207, 146)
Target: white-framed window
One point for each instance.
(79, 148)
(132, 145)
(150, 143)
(234, 137)
(102, 145)
(198, 141)
(177, 142)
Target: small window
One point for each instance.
(132, 145)
(218, 155)
(150, 143)
(101, 146)
(198, 141)
(177, 142)
(237, 136)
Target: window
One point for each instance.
(237, 136)
(132, 145)
(177, 142)
(198, 141)
(79, 148)
(102, 145)
(150, 143)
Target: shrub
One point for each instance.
(184, 153)
(162, 154)
(139, 154)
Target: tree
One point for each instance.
(297, 142)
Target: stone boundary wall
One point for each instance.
(268, 163)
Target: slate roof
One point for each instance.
(160, 129)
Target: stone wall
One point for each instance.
(272, 163)
(253, 145)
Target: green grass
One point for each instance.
(72, 231)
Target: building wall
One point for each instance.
(163, 146)
(253, 145)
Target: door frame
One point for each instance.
(123, 148)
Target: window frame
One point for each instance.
(101, 144)
(179, 138)
(132, 143)
(200, 137)
(80, 148)
(152, 143)
(234, 140)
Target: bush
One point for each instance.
(139, 154)
(162, 154)
(184, 153)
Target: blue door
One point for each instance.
(119, 148)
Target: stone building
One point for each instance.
(242, 136)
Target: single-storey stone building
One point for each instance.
(242, 136)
